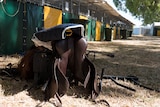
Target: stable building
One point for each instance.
(19, 19)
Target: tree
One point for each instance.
(148, 10)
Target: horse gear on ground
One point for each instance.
(65, 51)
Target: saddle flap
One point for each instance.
(51, 88)
(63, 83)
(93, 83)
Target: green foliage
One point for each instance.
(148, 10)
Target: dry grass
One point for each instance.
(136, 56)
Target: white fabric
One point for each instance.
(38, 42)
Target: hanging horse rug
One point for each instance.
(58, 59)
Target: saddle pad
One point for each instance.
(58, 32)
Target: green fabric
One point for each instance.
(34, 19)
(88, 33)
(93, 29)
(103, 32)
(75, 16)
(66, 17)
(11, 27)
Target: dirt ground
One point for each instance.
(137, 56)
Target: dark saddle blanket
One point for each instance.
(67, 46)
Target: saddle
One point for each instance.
(57, 52)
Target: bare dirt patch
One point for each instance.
(137, 56)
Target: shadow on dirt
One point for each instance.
(140, 61)
(11, 84)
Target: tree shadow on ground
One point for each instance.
(11, 85)
(141, 61)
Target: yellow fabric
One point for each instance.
(86, 26)
(52, 17)
(107, 26)
(158, 32)
(83, 17)
(114, 33)
(98, 31)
